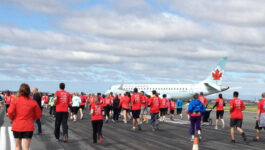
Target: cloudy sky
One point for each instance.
(92, 44)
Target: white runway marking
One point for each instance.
(3, 138)
(11, 138)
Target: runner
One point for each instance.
(62, 101)
(52, 106)
(46, 101)
(111, 97)
(179, 107)
(186, 108)
(97, 120)
(125, 106)
(154, 111)
(116, 108)
(82, 104)
(220, 103)
(23, 111)
(136, 109)
(92, 99)
(196, 110)
(203, 100)
(76, 100)
(260, 118)
(106, 105)
(236, 117)
(172, 109)
(144, 104)
(8, 100)
(163, 107)
(37, 98)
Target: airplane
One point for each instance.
(211, 85)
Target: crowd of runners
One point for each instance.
(135, 106)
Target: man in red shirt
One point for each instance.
(125, 101)
(260, 117)
(62, 100)
(136, 108)
(154, 110)
(236, 116)
(220, 103)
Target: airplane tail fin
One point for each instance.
(216, 76)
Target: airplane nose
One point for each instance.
(224, 88)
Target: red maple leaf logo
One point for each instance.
(217, 75)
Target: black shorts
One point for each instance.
(236, 123)
(75, 110)
(71, 109)
(219, 114)
(23, 135)
(172, 112)
(82, 107)
(163, 111)
(257, 126)
(136, 114)
(179, 111)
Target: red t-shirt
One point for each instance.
(261, 106)
(83, 100)
(203, 100)
(106, 101)
(8, 99)
(163, 102)
(238, 105)
(97, 112)
(23, 111)
(136, 101)
(220, 106)
(125, 102)
(155, 104)
(91, 100)
(144, 101)
(172, 105)
(63, 100)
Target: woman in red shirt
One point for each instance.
(97, 120)
(125, 101)
(23, 111)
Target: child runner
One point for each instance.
(196, 110)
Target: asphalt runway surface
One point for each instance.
(118, 136)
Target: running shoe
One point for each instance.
(139, 127)
(65, 138)
(101, 140)
(233, 141)
(216, 128)
(200, 137)
(133, 129)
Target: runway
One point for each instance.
(118, 136)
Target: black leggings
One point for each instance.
(97, 129)
(107, 110)
(7, 106)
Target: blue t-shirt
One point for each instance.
(179, 103)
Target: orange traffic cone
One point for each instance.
(195, 144)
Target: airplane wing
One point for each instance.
(212, 87)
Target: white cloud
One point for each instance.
(237, 12)
(162, 26)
